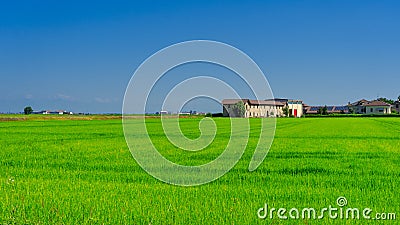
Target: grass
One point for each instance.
(81, 172)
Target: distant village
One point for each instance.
(29, 110)
(48, 112)
(279, 107)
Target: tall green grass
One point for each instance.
(81, 172)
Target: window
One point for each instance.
(372, 109)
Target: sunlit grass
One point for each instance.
(81, 171)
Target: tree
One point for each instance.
(28, 110)
(239, 109)
(286, 111)
(319, 111)
(325, 110)
(398, 98)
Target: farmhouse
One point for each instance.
(263, 108)
(253, 108)
(370, 107)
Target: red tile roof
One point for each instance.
(252, 102)
(233, 101)
(376, 103)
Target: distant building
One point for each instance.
(59, 112)
(295, 106)
(377, 107)
(396, 107)
(370, 107)
(358, 106)
(253, 108)
(184, 113)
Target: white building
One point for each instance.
(377, 107)
(258, 108)
(295, 106)
(370, 107)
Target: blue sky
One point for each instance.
(80, 56)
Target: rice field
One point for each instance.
(61, 171)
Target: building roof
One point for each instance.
(278, 99)
(285, 100)
(294, 101)
(266, 102)
(276, 103)
(364, 102)
(359, 102)
(233, 101)
(252, 102)
(376, 103)
(329, 109)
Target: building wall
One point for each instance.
(228, 110)
(377, 110)
(264, 111)
(357, 109)
(255, 110)
(225, 110)
(295, 106)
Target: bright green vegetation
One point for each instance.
(81, 172)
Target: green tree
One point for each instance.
(325, 110)
(239, 109)
(398, 98)
(286, 111)
(28, 110)
(319, 111)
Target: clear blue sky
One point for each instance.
(80, 56)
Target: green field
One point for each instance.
(81, 172)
